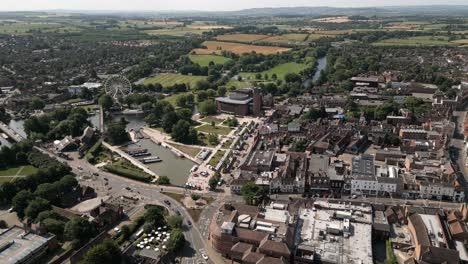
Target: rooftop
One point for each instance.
(17, 245)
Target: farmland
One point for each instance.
(287, 39)
(204, 60)
(217, 46)
(21, 28)
(178, 31)
(245, 38)
(417, 41)
(171, 79)
(280, 70)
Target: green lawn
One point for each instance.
(237, 84)
(171, 79)
(210, 119)
(27, 170)
(417, 41)
(214, 130)
(172, 99)
(189, 150)
(216, 158)
(204, 60)
(280, 70)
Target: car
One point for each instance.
(10, 210)
(354, 196)
(106, 179)
(128, 188)
(167, 202)
(205, 257)
(189, 223)
(204, 173)
(177, 212)
(95, 174)
(80, 168)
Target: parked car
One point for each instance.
(205, 257)
(167, 202)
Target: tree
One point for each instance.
(36, 206)
(106, 102)
(222, 91)
(195, 197)
(48, 191)
(184, 133)
(3, 224)
(36, 103)
(163, 180)
(249, 191)
(21, 201)
(117, 133)
(202, 96)
(79, 230)
(292, 77)
(213, 182)
(106, 252)
(154, 216)
(174, 221)
(168, 121)
(54, 226)
(207, 107)
(213, 139)
(176, 241)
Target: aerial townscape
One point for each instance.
(266, 135)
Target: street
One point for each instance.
(148, 194)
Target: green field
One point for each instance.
(214, 130)
(25, 171)
(178, 32)
(417, 41)
(280, 70)
(21, 28)
(171, 79)
(204, 60)
(172, 99)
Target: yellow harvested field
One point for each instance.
(209, 27)
(217, 47)
(242, 37)
(461, 41)
(341, 19)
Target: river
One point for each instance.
(18, 127)
(321, 65)
(172, 166)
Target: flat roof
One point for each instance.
(228, 100)
(18, 245)
(356, 248)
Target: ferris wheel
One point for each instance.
(117, 86)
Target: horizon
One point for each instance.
(208, 5)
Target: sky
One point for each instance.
(202, 5)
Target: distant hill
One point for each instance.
(433, 10)
(439, 10)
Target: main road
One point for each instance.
(111, 184)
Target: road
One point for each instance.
(458, 145)
(149, 194)
(379, 200)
